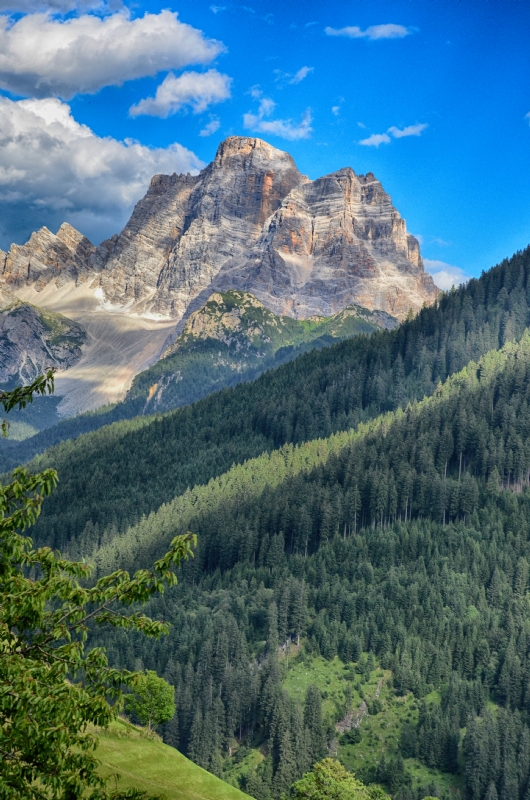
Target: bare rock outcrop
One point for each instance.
(335, 241)
(47, 257)
(33, 340)
(249, 221)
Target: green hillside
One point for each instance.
(233, 338)
(131, 468)
(154, 767)
(406, 541)
(362, 509)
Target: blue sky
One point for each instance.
(432, 96)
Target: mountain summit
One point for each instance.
(249, 221)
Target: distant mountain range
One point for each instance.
(250, 221)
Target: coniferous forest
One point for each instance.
(361, 583)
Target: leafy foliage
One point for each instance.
(22, 395)
(330, 781)
(153, 700)
(50, 688)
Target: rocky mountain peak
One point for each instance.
(47, 257)
(250, 148)
(249, 221)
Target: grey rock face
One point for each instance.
(251, 221)
(47, 257)
(33, 340)
(335, 241)
(248, 221)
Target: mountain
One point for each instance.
(361, 584)
(250, 221)
(234, 338)
(47, 258)
(32, 339)
(231, 339)
(53, 273)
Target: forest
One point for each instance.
(114, 475)
(366, 505)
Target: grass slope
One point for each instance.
(154, 767)
(380, 728)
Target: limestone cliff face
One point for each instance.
(248, 221)
(186, 228)
(47, 257)
(334, 241)
(251, 221)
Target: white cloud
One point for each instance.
(373, 33)
(302, 73)
(383, 138)
(286, 128)
(411, 130)
(376, 139)
(210, 127)
(527, 116)
(288, 77)
(195, 89)
(52, 169)
(445, 275)
(335, 110)
(217, 9)
(42, 56)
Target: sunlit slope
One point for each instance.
(156, 768)
(114, 476)
(432, 460)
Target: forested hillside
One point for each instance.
(406, 539)
(111, 477)
(366, 505)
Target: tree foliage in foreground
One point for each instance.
(330, 781)
(50, 687)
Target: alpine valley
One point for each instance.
(351, 448)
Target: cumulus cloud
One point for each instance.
(410, 130)
(373, 33)
(42, 56)
(286, 128)
(194, 89)
(375, 140)
(398, 133)
(445, 275)
(210, 127)
(52, 169)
